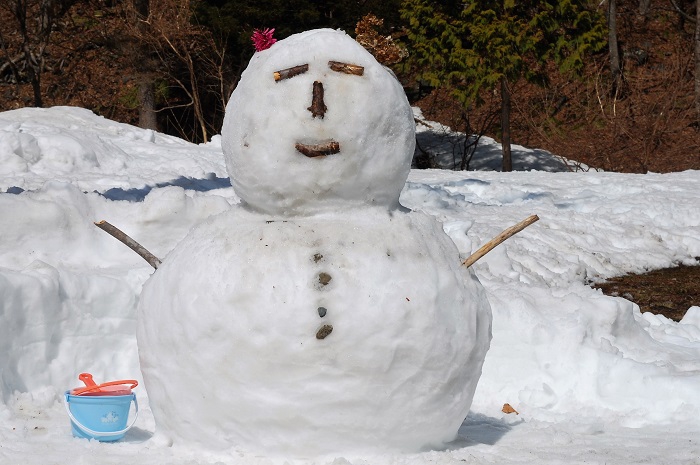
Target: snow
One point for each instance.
(447, 148)
(593, 379)
(332, 319)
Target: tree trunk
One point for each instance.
(615, 67)
(697, 64)
(142, 7)
(147, 100)
(36, 88)
(196, 98)
(644, 8)
(30, 60)
(33, 73)
(147, 111)
(505, 126)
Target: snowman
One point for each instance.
(318, 316)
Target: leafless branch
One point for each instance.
(129, 242)
(490, 245)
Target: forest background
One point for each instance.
(614, 85)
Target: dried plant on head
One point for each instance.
(384, 49)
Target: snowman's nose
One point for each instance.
(318, 107)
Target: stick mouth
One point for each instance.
(318, 150)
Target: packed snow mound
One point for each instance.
(266, 119)
(68, 291)
(312, 335)
(36, 145)
(445, 149)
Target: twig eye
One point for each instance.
(290, 72)
(346, 68)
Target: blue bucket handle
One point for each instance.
(87, 430)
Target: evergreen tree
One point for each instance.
(475, 45)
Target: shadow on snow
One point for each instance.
(138, 194)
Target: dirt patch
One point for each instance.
(669, 291)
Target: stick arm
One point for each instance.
(490, 245)
(129, 242)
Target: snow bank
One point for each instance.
(92, 152)
(580, 367)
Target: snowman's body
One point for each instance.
(317, 317)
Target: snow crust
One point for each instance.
(593, 379)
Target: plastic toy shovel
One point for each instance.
(112, 388)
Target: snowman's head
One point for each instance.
(316, 124)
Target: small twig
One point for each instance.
(420, 121)
(490, 245)
(346, 68)
(685, 15)
(290, 72)
(318, 107)
(129, 242)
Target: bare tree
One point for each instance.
(505, 126)
(188, 56)
(460, 133)
(697, 64)
(615, 64)
(148, 118)
(9, 65)
(644, 6)
(34, 21)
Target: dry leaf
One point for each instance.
(508, 409)
(384, 49)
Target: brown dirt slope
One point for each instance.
(669, 292)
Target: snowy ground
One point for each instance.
(593, 379)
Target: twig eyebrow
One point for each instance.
(346, 68)
(290, 72)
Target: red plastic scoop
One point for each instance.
(112, 388)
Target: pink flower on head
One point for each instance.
(262, 39)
